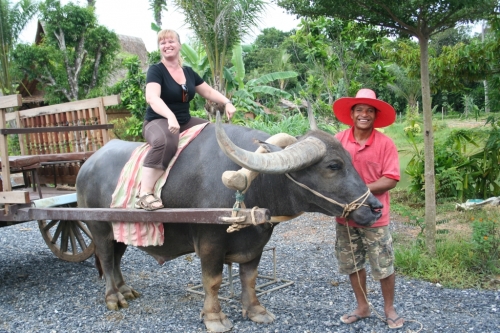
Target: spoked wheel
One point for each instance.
(68, 240)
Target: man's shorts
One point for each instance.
(376, 243)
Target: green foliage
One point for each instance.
(294, 125)
(486, 245)
(13, 19)
(460, 174)
(75, 56)
(154, 57)
(132, 88)
(470, 108)
(245, 94)
(128, 129)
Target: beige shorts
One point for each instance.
(374, 243)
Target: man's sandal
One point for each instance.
(143, 203)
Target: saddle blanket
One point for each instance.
(124, 196)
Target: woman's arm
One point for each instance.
(213, 95)
(153, 91)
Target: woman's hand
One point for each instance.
(230, 110)
(173, 124)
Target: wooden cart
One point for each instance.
(54, 142)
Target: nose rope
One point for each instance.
(348, 208)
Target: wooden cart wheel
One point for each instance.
(68, 240)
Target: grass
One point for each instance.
(461, 260)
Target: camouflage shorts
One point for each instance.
(374, 243)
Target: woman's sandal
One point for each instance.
(143, 203)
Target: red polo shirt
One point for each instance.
(379, 157)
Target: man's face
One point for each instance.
(363, 116)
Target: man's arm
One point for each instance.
(382, 185)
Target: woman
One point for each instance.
(169, 88)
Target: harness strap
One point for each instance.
(348, 208)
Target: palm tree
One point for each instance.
(13, 19)
(157, 6)
(219, 25)
(405, 86)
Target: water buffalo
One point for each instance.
(316, 160)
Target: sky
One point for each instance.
(133, 18)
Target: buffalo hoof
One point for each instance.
(216, 322)
(116, 301)
(259, 314)
(128, 292)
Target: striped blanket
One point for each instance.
(140, 233)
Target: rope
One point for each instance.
(238, 205)
(348, 208)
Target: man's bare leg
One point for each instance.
(359, 287)
(388, 285)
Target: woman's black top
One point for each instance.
(171, 91)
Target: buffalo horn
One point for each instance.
(295, 157)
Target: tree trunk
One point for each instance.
(430, 189)
(485, 83)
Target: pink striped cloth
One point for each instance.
(124, 196)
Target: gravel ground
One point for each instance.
(40, 293)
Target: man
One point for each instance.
(375, 157)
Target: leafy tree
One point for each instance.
(265, 50)
(13, 19)
(219, 25)
(421, 19)
(75, 55)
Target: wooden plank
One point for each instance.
(166, 215)
(14, 197)
(54, 129)
(55, 201)
(103, 119)
(111, 100)
(4, 155)
(70, 106)
(21, 137)
(10, 101)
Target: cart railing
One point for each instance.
(54, 140)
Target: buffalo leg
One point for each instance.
(215, 320)
(251, 305)
(126, 291)
(109, 253)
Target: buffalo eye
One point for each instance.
(334, 166)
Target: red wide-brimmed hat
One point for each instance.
(342, 108)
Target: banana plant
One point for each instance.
(246, 94)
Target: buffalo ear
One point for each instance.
(269, 148)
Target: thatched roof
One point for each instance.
(133, 46)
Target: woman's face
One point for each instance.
(169, 47)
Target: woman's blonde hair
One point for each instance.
(169, 33)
